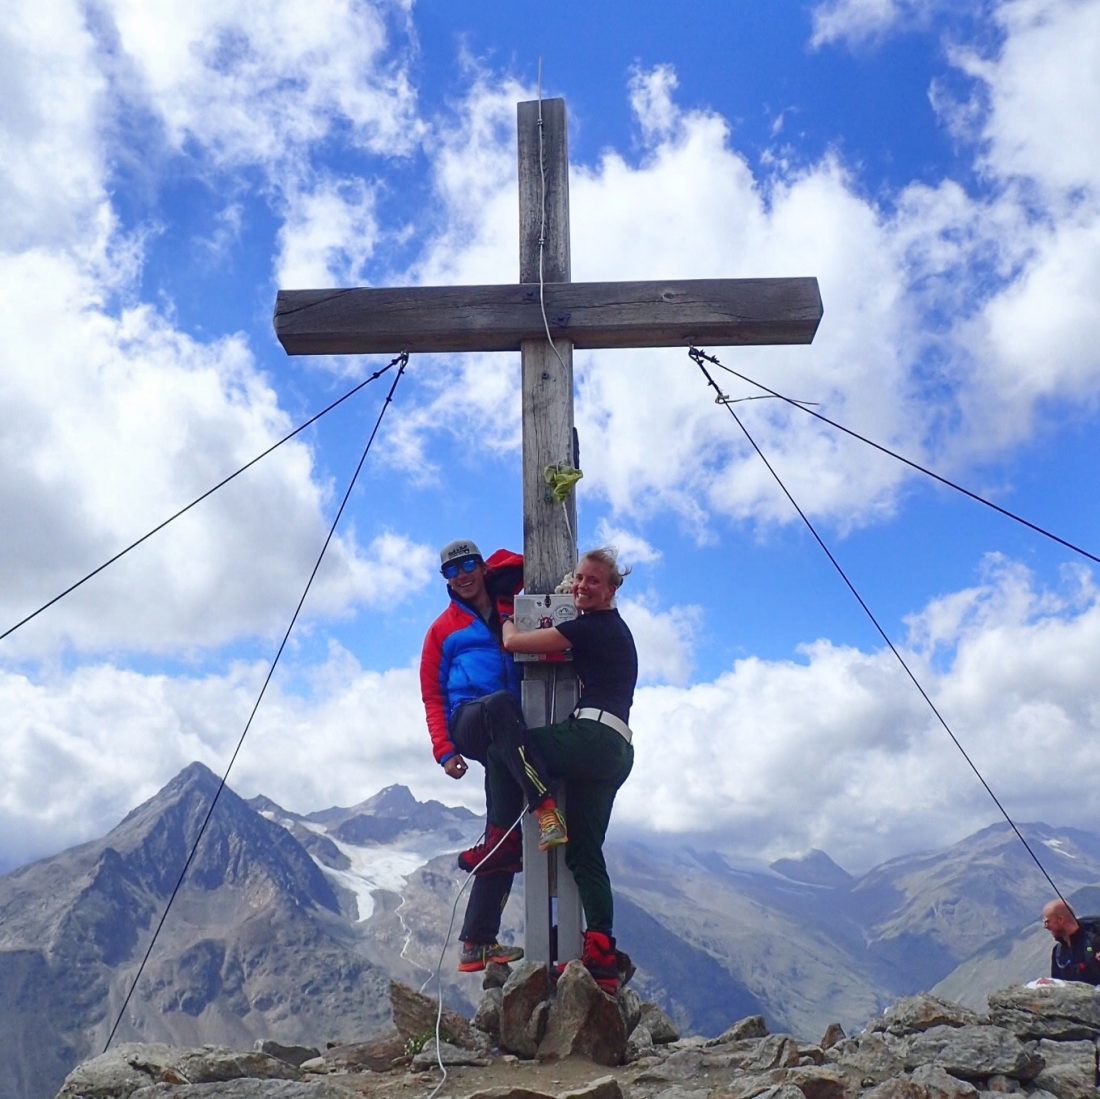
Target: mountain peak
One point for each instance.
(194, 774)
(812, 868)
(396, 800)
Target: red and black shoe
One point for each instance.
(601, 959)
(501, 852)
(476, 956)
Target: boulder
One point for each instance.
(245, 1089)
(449, 1055)
(752, 1026)
(125, 1068)
(527, 986)
(973, 1052)
(381, 1054)
(918, 1013)
(294, 1055)
(1067, 1011)
(938, 1083)
(415, 1017)
(583, 1020)
(630, 1007)
(659, 1025)
(487, 1016)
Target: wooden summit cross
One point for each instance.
(718, 312)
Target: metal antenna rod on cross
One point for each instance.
(716, 312)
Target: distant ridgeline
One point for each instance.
(290, 927)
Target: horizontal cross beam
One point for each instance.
(715, 312)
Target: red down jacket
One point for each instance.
(462, 658)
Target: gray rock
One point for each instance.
(603, 1087)
(536, 1025)
(380, 1054)
(294, 1055)
(973, 1052)
(918, 1013)
(213, 1064)
(1067, 1081)
(938, 1083)
(450, 1055)
(119, 1071)
(487, 1016)
(757, 1054)
(583, 1020)
(752, 1026)
(680, 1065)
(496, 974)
(1050, 1011)
(897, 1087)
(659, 1025)
(415, 1016)
(630, 1007)
(693, 1041)
(834, 1033)
(1003, 1085)
(246, 1089)
(527, 986)
(1070, 1068)
(819, 1082)
(872, 1060)
(640, 1044)
(1081, 1054)
(508, 1092)
(760, 1087)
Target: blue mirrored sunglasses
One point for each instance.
(453, 568)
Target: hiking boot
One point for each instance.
(507, 858)
(476, 956)
(601, 959)
(552, 831)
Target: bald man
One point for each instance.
(1075, 953)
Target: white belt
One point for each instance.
(605, 717)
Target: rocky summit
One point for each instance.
(532, 1038)
(288, 929)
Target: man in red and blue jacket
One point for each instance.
(471, 689)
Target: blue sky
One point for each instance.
(165, 172)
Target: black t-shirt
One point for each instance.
(605, 659)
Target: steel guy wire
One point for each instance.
(697, 356)
(403, 360)
(875, 622)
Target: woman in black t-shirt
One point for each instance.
(590, 751)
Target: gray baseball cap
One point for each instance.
(455, 551)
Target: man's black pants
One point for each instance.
(472, 728)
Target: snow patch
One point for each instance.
(382, 867)
(1058, 846)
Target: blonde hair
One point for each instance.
(609, 558)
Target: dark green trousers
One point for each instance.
(592, 761)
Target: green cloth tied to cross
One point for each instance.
(561, 478)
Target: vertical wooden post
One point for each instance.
(549, 538)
